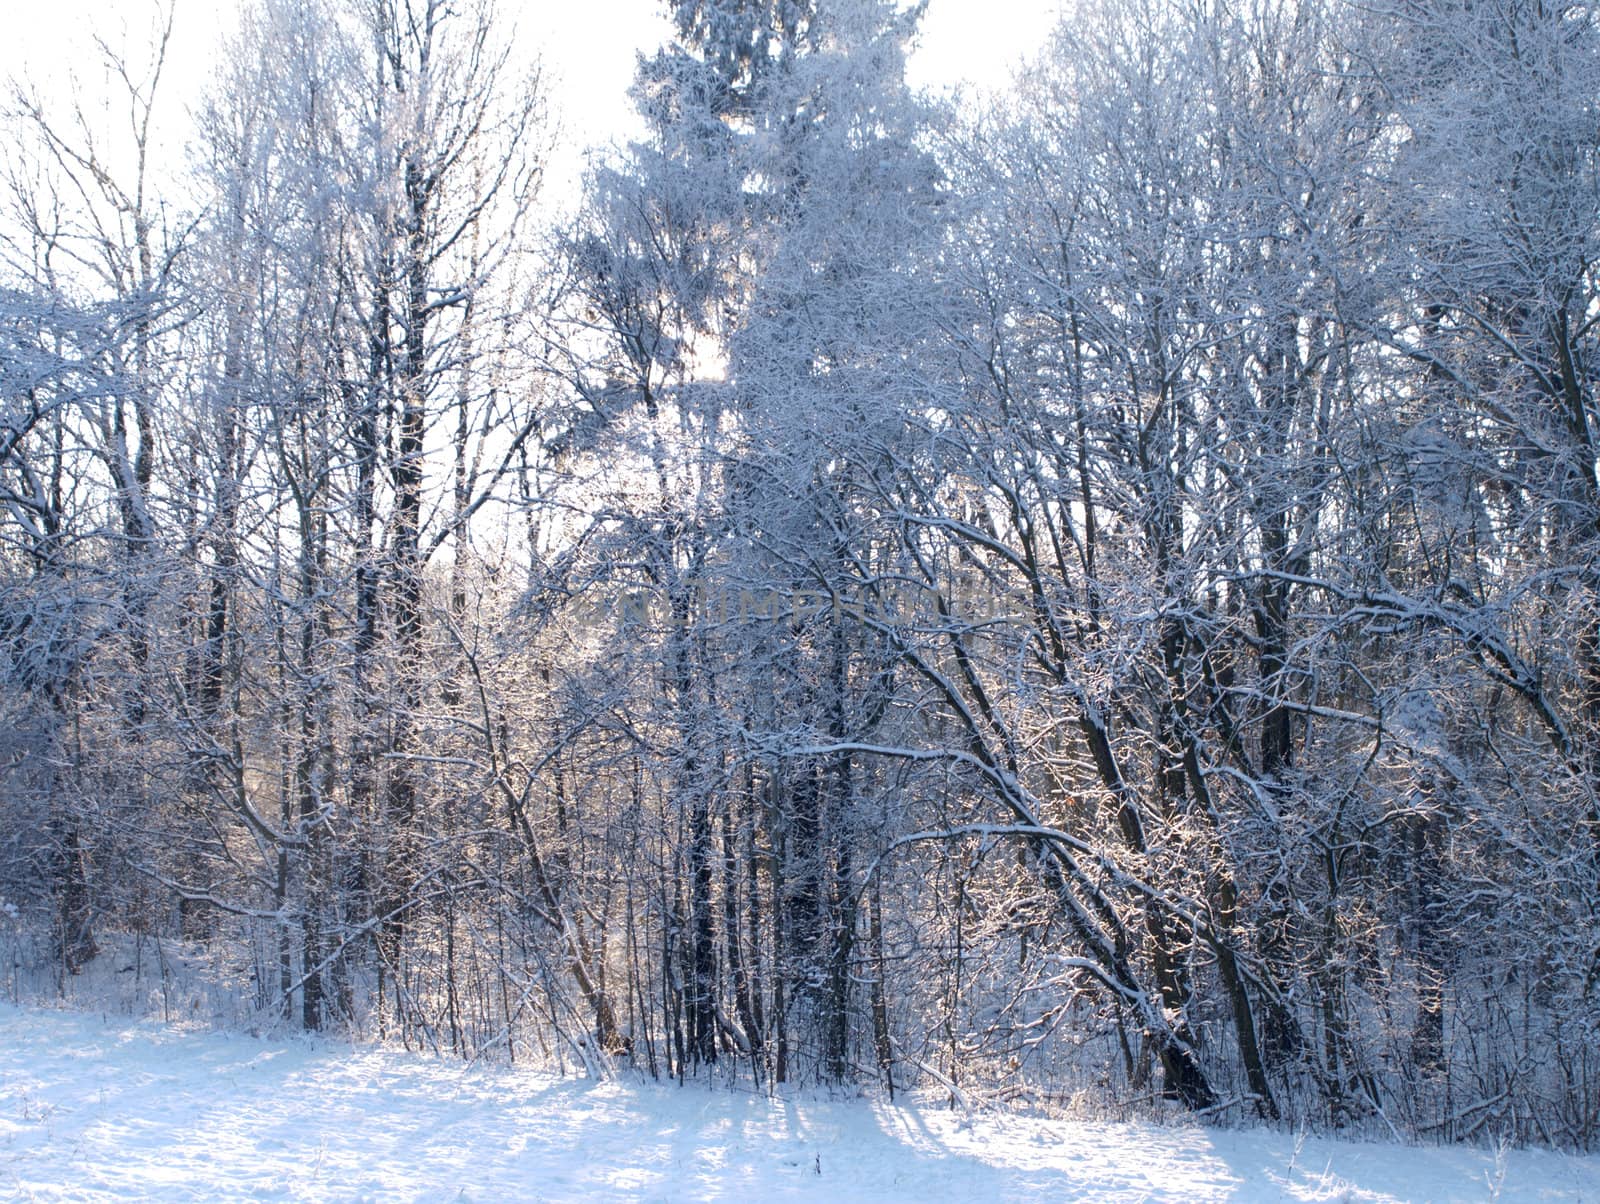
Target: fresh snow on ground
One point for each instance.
(109, 1109)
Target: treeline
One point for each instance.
(1090, 594)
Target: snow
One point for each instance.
(96, 1109)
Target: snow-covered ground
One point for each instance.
(96, 1109)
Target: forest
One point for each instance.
(1083, 594)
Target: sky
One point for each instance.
(588, 48)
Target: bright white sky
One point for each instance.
(588, 47)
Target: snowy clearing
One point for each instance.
(97, 1109)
